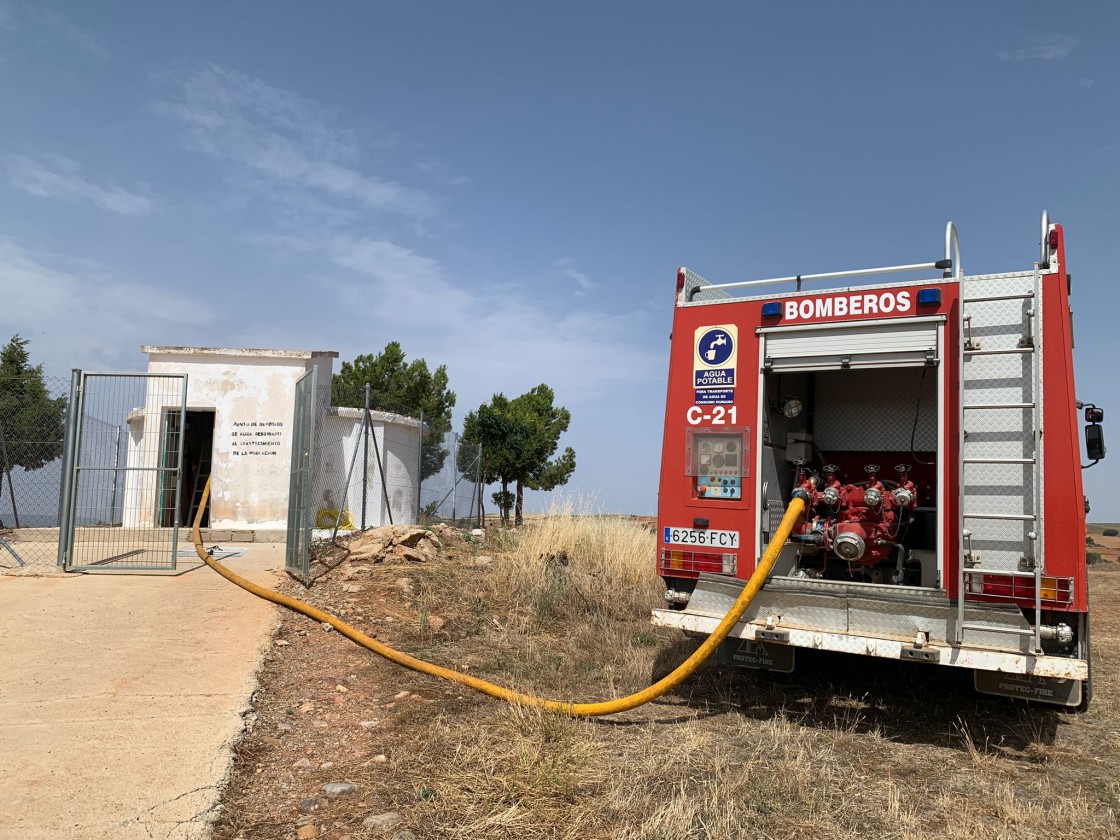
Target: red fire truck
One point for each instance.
(931, 429)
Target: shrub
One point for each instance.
(1092, 557)
(1110, 532)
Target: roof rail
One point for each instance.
(951, 262)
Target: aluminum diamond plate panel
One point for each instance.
(999, 373)
(867, 610)
(855, 410)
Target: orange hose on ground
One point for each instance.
(605, 707)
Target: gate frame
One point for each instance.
(301, 521)
(71, 466)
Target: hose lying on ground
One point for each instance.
(605, 707)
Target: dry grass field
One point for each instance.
(842, 748)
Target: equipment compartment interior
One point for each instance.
(854, 430)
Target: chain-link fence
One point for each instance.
(377, 462)
(32, 434)
(451, 493)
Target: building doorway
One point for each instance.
(198, 456)
(197, 440)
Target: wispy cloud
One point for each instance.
(1086, 83)
(282, 136)
(58, 177)
(76, 35)
(79, 313)
(522, 336)
(1045, 47)
(15, 14)
(567, 269)
(360, 239)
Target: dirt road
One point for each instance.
(121, 697)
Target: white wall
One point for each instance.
(397, 438)
(252, 395)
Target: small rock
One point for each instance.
(478, 532)
(381, 758)
(309, 806)
(284, 727)
(326, 765)
(326, 626)
(404, 834)
(400, 695)
(341, 688)
(383, 822)
(370, 724)
(320, 724)
(339, 788)
(308, 832)
(435, 623)
(281, 643)
(303, 764)
(403, 583)
(306, 707)
(352, 587)
(411, 554)
(480, 562)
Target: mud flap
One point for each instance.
(765, 656)
(1054, 690)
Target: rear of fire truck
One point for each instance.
(940, 524)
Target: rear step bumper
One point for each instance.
(976, 658)
(891, 622)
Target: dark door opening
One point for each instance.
(198, 455)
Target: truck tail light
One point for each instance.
(680, 280)
(1054, 589)
(696, 561)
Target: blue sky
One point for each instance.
(508, 188)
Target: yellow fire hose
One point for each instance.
(605, 707)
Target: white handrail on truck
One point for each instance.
(951, 261)
(1043, 242)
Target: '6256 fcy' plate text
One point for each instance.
(696, 536)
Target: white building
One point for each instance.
(238, 431)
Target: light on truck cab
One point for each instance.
(1053, 238)
(929, 297)
(772, 310)
(680, 280)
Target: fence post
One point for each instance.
(69, 458)
(116, 474)
(420, 468)
(478, 484)
(8, 470)
(365, 456)
(455, 465)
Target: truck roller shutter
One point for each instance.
(895, 343)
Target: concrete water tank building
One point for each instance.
(240, 407)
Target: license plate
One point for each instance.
(698, 536)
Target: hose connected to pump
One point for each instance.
(605, 707)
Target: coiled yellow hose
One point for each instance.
(605, 707)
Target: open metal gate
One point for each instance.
(121, 502)
(301, 513)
